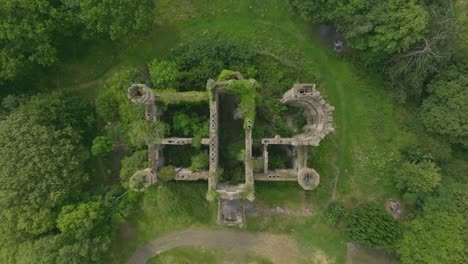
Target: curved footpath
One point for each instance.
(277, 248)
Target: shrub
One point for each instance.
(334, 212)
(167, 173)
(199, 161)
(422, 177)
(370, 225)
(130, 165)
(102, 145)
(163, 73)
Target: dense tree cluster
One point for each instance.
(444, 111)
(409, 40)
(46, 217)
(30, 30)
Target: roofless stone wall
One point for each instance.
(319, 124)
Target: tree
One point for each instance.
(207, 57)
(27, 35)
(444, 111)
(41, 169)
(130, 165)
(60, 110)
(163, 73)
(199, 161)
(435, 238)
(79, 219)
(422, 177)
(410, 70)
(102, 145)
(116, 18)
(377, 28)
(42, 166)
(142, 132)
(370, 225)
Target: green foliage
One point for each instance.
(107, 106)
(370, 225)
(435, 238)
(200, 161)
(422, 177)
(143, 132)
(139, 181)
(27, 35)
(113, 105)
(410, 70)
(211, 195)
(444, 110)
(169, 97)
(377, 28)
(102, 145)
(42, 165)
(163, 73)
(166, 173)
(116, 18)
(60, 110)
(130, 165)
(206, 57)
(189, 124)
(85, 231)
(246, 90)
(334, 212)
(79, 218)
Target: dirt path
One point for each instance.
(277, 248)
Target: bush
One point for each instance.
(422, 177)
(167, 173)
(130, 165)
(199, 161)
(163, 73)
(334, 212)
(370, 225)
(102, 145)
(207, 57)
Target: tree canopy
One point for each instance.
(434, 238)
(370, 225)
(377, 28)
(42, 164)
(444, 111)
(422, 177)
(27, 31)
(115, 17)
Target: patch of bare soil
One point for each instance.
(277, 248)
(358, 254)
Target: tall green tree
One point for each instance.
(435, 238)
(27, 31)
(377, 28)
(116, 18)
(163, 73)
(42, 168)
(444, 111)
(422, 177)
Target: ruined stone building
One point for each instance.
(231, 197)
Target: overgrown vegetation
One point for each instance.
(60, 204)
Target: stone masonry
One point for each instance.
(231, 209)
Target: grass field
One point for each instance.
(359, 157)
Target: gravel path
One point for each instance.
(278, 248)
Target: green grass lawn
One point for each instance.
(369, 128)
